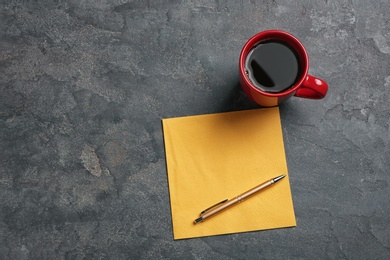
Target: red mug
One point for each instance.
(306, 86)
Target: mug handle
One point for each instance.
(313, 88)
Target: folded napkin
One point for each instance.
(219, 156)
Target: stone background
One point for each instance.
(84, 85)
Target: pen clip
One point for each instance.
(219, 203)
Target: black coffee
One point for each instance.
(272, 66)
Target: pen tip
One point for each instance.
(276, 179)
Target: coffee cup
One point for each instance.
(274, 66)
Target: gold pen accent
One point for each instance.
(211, 211)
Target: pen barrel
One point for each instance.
(236, 200)
(256, 189)
(220, 208)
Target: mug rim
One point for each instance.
(275, 35)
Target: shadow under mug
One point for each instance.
(306, 86)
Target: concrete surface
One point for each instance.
(84, 85)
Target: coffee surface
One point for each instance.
(272, 66)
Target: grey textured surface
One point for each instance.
(84, 85)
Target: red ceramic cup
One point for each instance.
(306, 86)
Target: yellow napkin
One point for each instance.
(219, 156)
